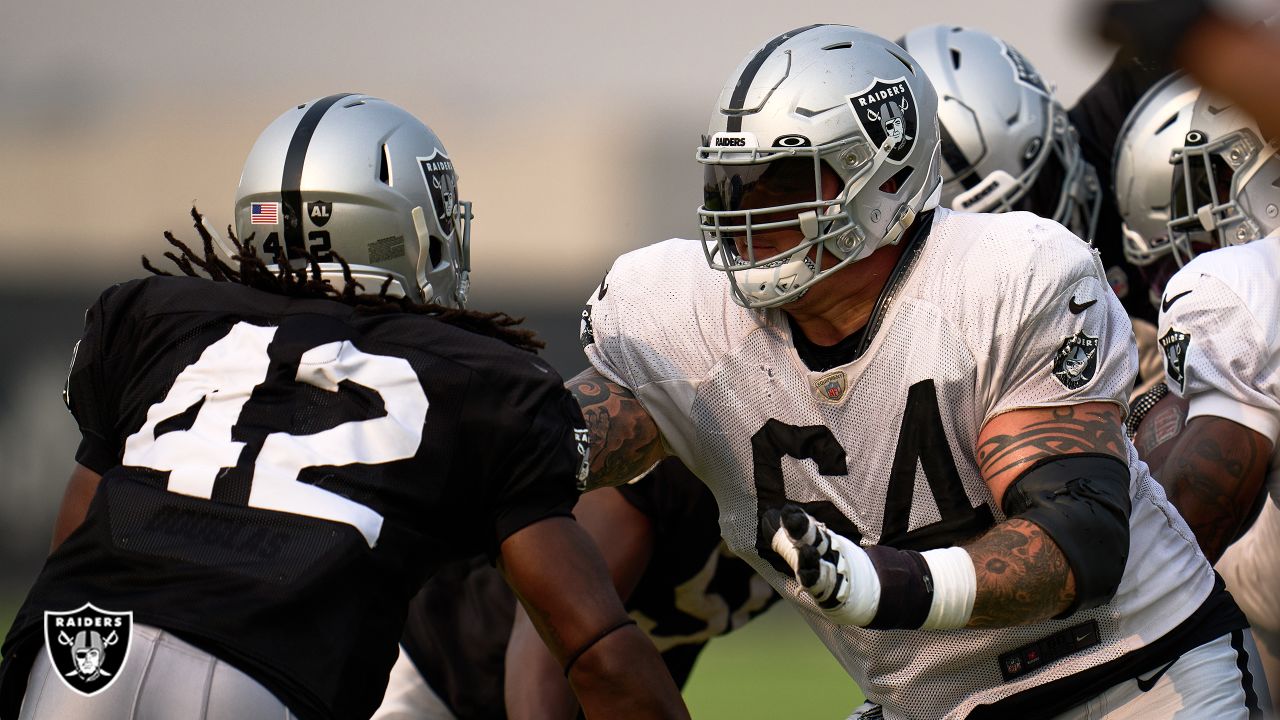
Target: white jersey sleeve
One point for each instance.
(658, 324)
(1049, 330)
(1220, 334)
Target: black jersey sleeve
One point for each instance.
(91, 394)
(540, 478)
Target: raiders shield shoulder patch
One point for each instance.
(887, 109)
(1076, 360)
(1175, 344)
(88, 646)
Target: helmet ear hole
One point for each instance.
(384, 166)
(435, 251)
(899, 179)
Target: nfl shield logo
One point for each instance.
(886, 109)
(831, 387)
(88, 646)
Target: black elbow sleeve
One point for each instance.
(1082, 502)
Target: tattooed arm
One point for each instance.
(1022, 575)
(625, 443)
(1214, 475)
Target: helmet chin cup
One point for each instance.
(764, 285)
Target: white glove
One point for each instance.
(832, 569)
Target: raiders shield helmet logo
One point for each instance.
(88, 646)
(1022, 69)
(319, 212)
(438, 174)
(1175, 344)
(887, 110)
(1076, 360)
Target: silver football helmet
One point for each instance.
(1007, 144)
(1156, 126)
(357, 177)
(1226, 181)
(823, 104)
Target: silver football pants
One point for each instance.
(162, 679)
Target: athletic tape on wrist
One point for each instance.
(934, 590)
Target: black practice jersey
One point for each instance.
(1098, 117)
(280, 475)
(692, 590)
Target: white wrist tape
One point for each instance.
(955, 586)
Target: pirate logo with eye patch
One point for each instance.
(886, 112)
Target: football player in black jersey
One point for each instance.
(272, 464)
(661, 541)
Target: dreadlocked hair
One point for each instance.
(306, 282)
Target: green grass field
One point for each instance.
(773, 668)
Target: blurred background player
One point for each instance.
(1211, 39)
(660, 539)
(1212, 443)
(275, 458)
(1008, 144)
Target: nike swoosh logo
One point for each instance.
(1077, 308)
(604, 287)
(1146, 685)
(1166, 304)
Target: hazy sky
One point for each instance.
(572, 124)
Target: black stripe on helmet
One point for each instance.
(955, 159)
(749, 75)
(291, 183)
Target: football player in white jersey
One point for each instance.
(910, 417)
(1220, 332)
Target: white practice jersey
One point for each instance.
(1220, 333)
(995, 313)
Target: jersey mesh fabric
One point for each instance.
(1226, 300)
(982, 316)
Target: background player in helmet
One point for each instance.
(660, 539)
(840, 350)
(1007, 144)
(1215, 439)
(270, 467)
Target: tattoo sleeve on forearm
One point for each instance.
(624, 440)
(1214, 475)
(1022, 576)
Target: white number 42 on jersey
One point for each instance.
(225, 376)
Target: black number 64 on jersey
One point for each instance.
(921, 439)
(218, 385)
